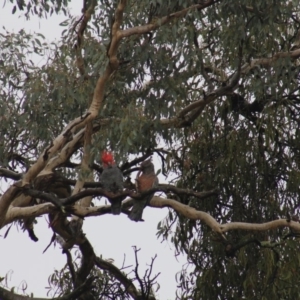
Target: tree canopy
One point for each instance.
(210, 87)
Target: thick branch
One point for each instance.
(157, 202)
(87, 262)
(10, 174)
(186, 211)
(17, 213)
(64, 154)
(42, 195)
(6, 201)
(261, 227)
(87, 173)
(193, 214)
(162, 188)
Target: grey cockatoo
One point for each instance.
(112, 180)
(145, 181)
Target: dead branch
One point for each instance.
(120, 276)
(146, 283)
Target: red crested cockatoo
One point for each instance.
(145, 181)
(112, 180)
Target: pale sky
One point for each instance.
(111, 236)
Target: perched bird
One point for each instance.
(145, 181)
(112, 180)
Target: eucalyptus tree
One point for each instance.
(211, 87)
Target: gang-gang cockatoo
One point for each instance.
(145, 181)
(112, 180)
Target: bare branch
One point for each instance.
(120, 276)
(146, 283)
(10, 174)
(156, 202)
(86, 159)
(6, 201)
(64, 154)
(187, 211)
(17, 213)
(162, 188)
(136, 271)
(261, 227)
(194, 214)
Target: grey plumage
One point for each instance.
(145, 181)
(112, 180)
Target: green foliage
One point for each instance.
(246, 143)
(40, 8)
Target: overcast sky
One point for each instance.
(111, 236)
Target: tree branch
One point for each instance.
(16, 213)
(5, 202)
(87, 262)
(261, 227)
(164, 20)
(267, 62)
(156, 202)
(87, 13)
(87, 173)
(120, 276)
(10, 174)
(71, 266)
(224, 90)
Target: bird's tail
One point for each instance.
(116, 206)
(136, 212)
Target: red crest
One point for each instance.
(107, 158)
